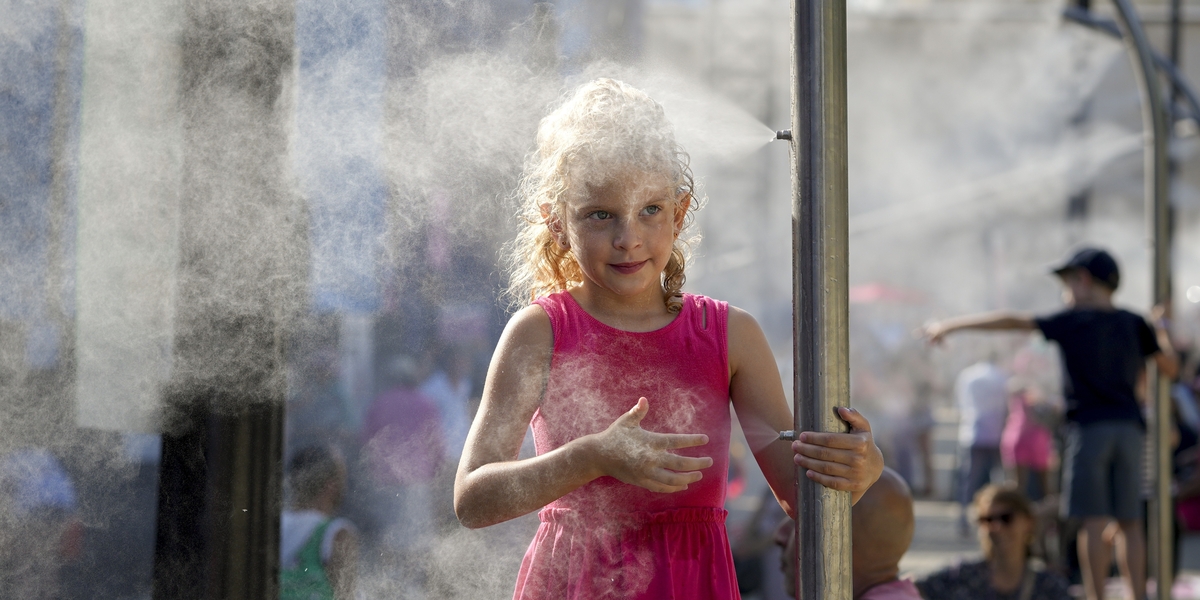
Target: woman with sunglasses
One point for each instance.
(1006, 527)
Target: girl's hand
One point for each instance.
(848, 462)
(642, 458)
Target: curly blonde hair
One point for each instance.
(604, 128)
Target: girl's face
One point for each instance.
(622, 233)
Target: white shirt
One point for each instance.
(452, 399)
(982, 405)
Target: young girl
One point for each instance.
(626, 380)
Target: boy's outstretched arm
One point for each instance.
(992, 321)
(841, 461)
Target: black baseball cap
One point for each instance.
(1098, 263)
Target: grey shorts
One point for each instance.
(1102, 470)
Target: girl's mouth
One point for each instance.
(627, 268)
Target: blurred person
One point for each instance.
(905, 405)
(403, 449)
(923, 391)
(982, 397)
(320, 412)
(882, 526)
(1026, 445)
(318, 551)
(894, 392)
(1104, 352)
(1006, 527)
(449, 385)
(755, 548)
(40, 531)
(924, 388)
(1186, 484)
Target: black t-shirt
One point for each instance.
(1103, 352)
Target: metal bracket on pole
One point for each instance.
(820, 309)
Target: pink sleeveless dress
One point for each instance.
(609, 539)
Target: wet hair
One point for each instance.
(603, 130)
(1004, 495)
(309, 469)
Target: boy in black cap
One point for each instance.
(1104, 351)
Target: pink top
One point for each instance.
(608, 538)
(403, 437)
(1025, 442)
(899, 589)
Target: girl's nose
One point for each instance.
(628, 234)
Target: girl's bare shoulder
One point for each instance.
(528, 328)
(746, 339)
(742, 323)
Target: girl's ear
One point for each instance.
(554, 224)
(681, 208)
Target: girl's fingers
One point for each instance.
(673, 478)
(854, 419)
(840, 461)
(824, 453)
(666, 482)
(841, 441)
(663, 488)
(833, 483)
(633, 417)
(687, 463)
(825, 467)
(671, 441)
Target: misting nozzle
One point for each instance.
(788, 436)
(783, 134)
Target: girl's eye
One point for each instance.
(599, 215)
(652, 210)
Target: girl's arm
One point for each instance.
(841, 461)
(993, 321)
(493, 486)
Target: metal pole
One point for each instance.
(820, 309)
(1174, 40)
(1154, 123)
(60, 182)
(1165, 236)
(239, 281)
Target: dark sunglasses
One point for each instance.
(1002, 518)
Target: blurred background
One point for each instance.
(302, 206)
